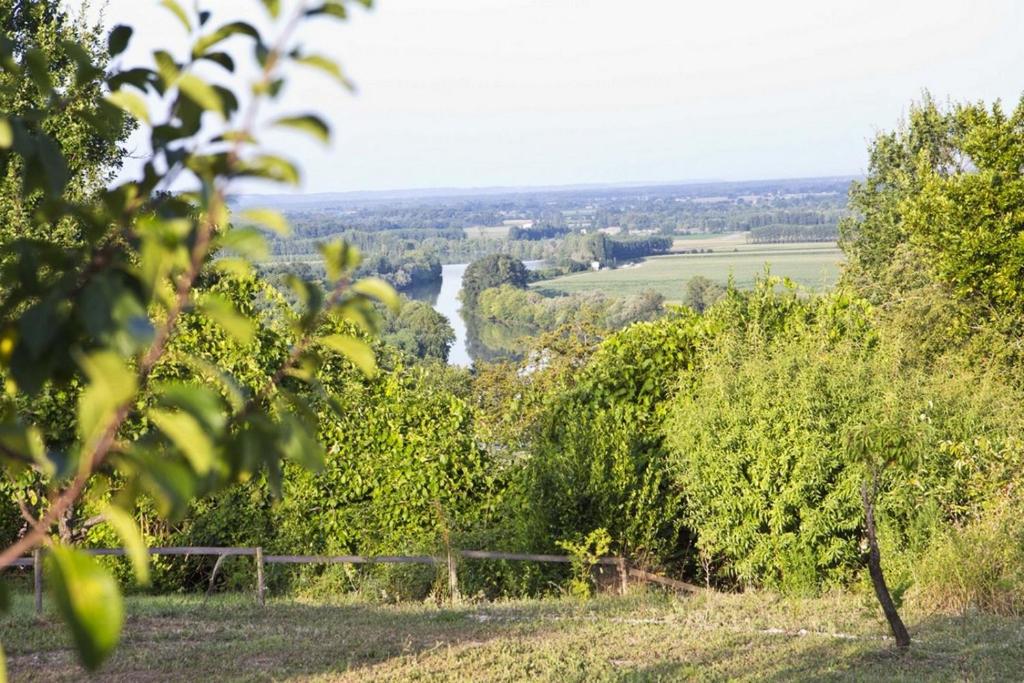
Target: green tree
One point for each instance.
(88, 143)
(491, 271)
(419, 330)
(702, 292)
(97, 317)
(935, 229)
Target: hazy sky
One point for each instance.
(535, 92)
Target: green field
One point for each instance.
(642, 637)
(812, 265)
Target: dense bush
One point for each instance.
(761, 440)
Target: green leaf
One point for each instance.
(201, 92)
(380, 290)
(131, 103)
(118, 39)
(245, 242)
(177, 10)
(88, 598)
(3, 665)
(223, 33)
(326, 65)
(6, 133)
(128, 531)
(26, 441)
(339, 258)
(166, 67)
(272, 168)
(273, 7)
(356, 350)
(307, 123)
(111, 384)
(268, 218)
(331, 8)
(187, 435)
(224, 313)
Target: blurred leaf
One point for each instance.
(166, 67)
(268, 218)
(111, 383)
(245, 242)
(221, 58)
(187, 435)
(299, 443)
(210, 373)
(273, 7)
(380, 290)
(118, 39)
(224, 313)
(201, 92)
(177, 10)
(356, 350)
(272, 168)
(332, 8)
(6, 133)
(223, 33)
(326, 65)
(88, 598)
(340, 258)
(27, 441)
(131, 103)
(128, 531)
(308, 123)
(171, 483)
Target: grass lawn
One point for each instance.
(813, 265)
(640, 637)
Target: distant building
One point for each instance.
(611, 230)
(519, 223)
(595, 265)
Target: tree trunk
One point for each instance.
(899, 631)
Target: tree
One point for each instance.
(95, 317)
(943, 204)
(419, 330)
(702, 292)
(90, 147)
(491, 271)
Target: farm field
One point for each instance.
(641, 637)
(813, 265)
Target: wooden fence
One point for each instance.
(623, 571)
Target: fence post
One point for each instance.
(623, 575)
(453, 578)
(37, 579)
(260, 587)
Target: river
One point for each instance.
(446, 302)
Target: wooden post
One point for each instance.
(260, 586)
(623, 575)
(37, 579)
(453, 578)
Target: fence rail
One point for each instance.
(623, 569)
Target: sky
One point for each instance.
(482, 93)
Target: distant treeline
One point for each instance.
(543, 232)
(777, 233)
